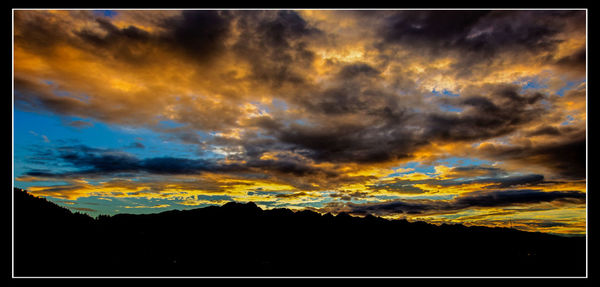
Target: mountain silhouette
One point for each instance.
(243, 240)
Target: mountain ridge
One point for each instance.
(241, 239)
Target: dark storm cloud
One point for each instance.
(356, 88)
(345, 143)
(398, 207)
(200, 34)
(378, 127)
(478, 199)
(97, 160)
(287, 25)
(271, 41)
(350, 99)
(316, 105)
(476, 32)
(113, 35)
(42, 33)
(530, 179)
(33, 96)
(567, 157)
(274, 45)
(170, 165)
(500, 113)
(574, 62)
(423, 27)
(510, 197)
(545, 130)
(40, 173)
(39, 32)
(129, 44)
(346, 195)
(357, 69)
(354, 118)
(289, 166)
(496, 178)
(90, 161)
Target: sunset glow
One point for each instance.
(473, 117)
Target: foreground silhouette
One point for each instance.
(244, 240)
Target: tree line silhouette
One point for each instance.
(243, 240)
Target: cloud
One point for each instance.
(500, 112)
(357, 116)
(136, 145)
(327, 101)
(83, 209)
(44, 137)
(477, 199)
(523, 196)
(79, 124)
(479, 35)
(291, 195)
(530, 179)
(128, 44)
(576, 61)
(274, 46)
(566, 158)
(458, 180)
(89, 161)
(152, 206)
(35, 96)
(199, 34)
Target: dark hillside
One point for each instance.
(244, 240)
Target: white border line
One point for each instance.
(13, 143)
(311, 9)
(295, 277)
(586, 149)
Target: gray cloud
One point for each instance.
(358, 115)
(478, 199)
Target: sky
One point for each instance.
(475, 117)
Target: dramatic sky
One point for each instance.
(475, 117)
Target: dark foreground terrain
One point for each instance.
(244, 240)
